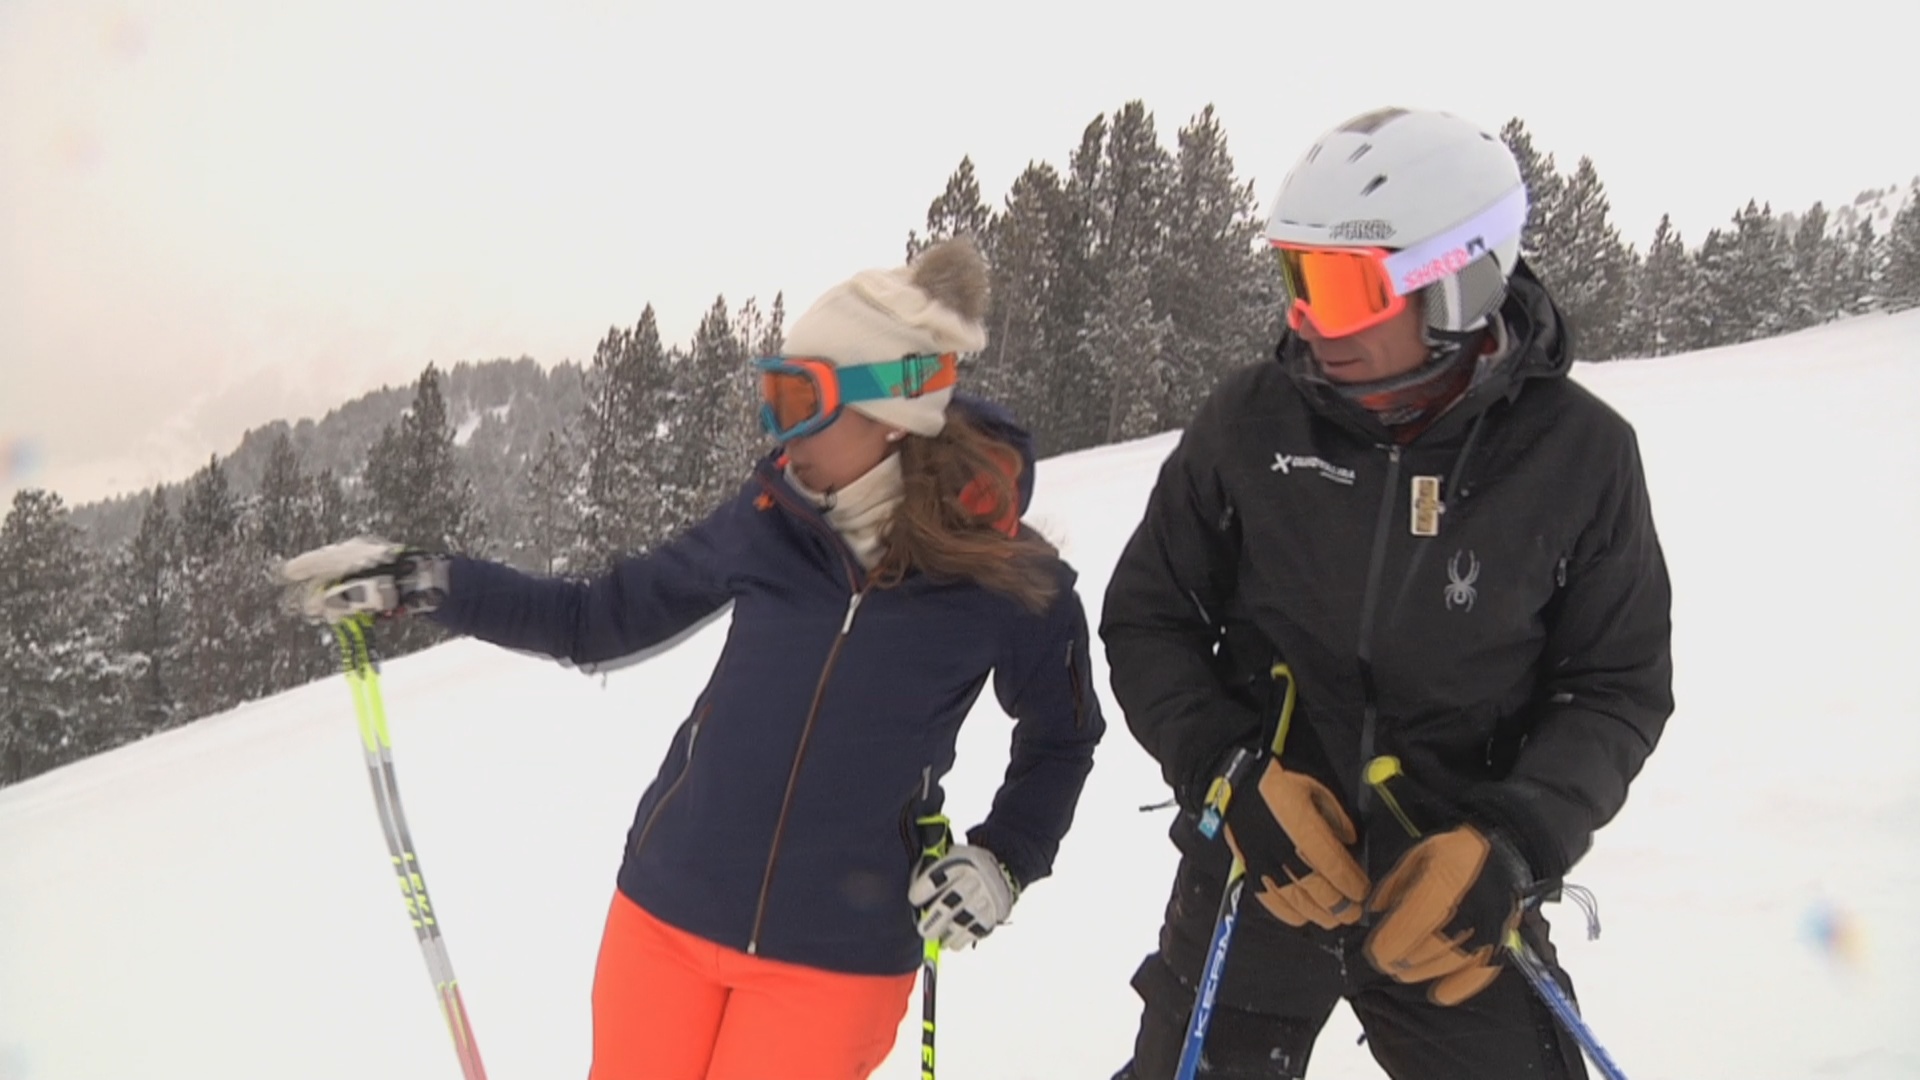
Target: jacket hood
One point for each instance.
(998, 423)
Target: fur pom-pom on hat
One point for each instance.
(935, 304)
(953, 273)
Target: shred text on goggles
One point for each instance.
(1345, 290)
(802, 394)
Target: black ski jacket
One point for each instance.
(1509, 645)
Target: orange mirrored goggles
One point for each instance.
(802, 394)
(1342, 290)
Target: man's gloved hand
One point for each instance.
(962, 896)
(366, 575)
(1296, 841)
(1446, 909)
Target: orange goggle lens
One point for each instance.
(801, 395)
(793, 399)
(1342, 290)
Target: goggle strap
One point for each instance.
(908, 377)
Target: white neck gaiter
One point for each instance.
(861, 511)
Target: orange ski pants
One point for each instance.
(668, 1005)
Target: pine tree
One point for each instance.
(333, 518)
(1126, 190)
(958, 211)
(1075, 410)
(1811, 293)
(59, 685)
(285, 521)
(1130, 193)
(1015, 365)
(1132, 340)
(419, 495)
(773, 332)
(714, 432)
(552, 504)
(1587, 267)
(1756, 298)
(1665, 294)
(1215, 279)
(1544, 184)
(149, 601)
(1900, 278)
(286, 504)
(612, 465)
(215, 574)
(1711, 316)
(1866, 262)
(630, 410)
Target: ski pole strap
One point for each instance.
(1220, 792)
(1243, 759)
(935, 836)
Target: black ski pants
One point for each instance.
(1280, 984)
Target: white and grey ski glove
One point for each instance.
(365, 575)
(962, 896)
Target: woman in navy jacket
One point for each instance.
(772, 902)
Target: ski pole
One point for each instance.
(929, 978)
(936, 836)
(1212, 818)
(1562, 1006)
(363, 677)
(1210, 821)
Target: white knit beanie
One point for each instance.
(935, 304)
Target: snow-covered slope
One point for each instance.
(216, 902)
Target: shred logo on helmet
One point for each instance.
(1445, 193)
(1439, 257)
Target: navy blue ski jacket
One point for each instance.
(781, 821)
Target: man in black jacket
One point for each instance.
(1417, 530)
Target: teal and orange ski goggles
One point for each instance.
(801, 395)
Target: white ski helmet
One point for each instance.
(1440, 193)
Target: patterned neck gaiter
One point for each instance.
(1408, 404)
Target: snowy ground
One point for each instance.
(216, 902)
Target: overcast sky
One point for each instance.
(213, 214)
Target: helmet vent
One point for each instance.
(1313, 153)
(1373, 185)
(1360, 153)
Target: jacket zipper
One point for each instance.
(857, 588)
(1363, 651)
(693, 736)
(1079, 691)
(812, 517)
(793, 775)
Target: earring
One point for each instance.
(896, 436)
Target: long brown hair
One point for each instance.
(959, 518)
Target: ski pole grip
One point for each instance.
(1220, 792)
